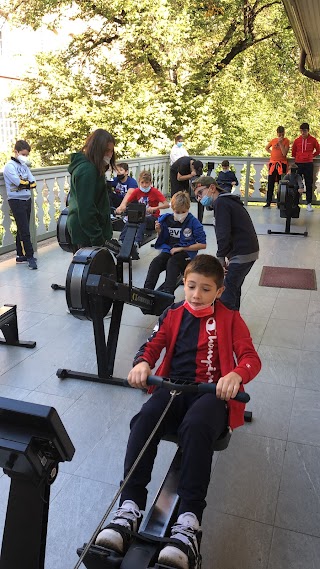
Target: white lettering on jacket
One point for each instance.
(210, 329)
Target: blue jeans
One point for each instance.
(233, 281)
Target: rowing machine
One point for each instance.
(289, 208)
(154, 531)
(95, 284)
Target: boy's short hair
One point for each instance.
(206, 265)
(280, 129)
(180, 200)
(225, 163)
(145, 175)
(304, 126)
(22, 145)
(123, 165)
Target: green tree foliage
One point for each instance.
(224, 72)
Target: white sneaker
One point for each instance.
(116, 535)
(309, 207)
(183, 552)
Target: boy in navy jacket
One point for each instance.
(181, 236)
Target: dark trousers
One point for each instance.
(178, 186)
(272, 179)
(233, 282)
(21, 210)
(174, 265)
(305, 169)
(147, 225)
(199, 421)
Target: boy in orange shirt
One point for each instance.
(278, 149)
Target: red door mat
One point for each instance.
(286, 277)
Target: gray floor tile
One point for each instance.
(74, 515)
(246, 479)
(256, 325)
(230, 542)
(289, 309)
(61, 404)
(291, 550)
(299, 496)
(311, 337)
(13, 392)
(305, 418)
(271, 409)
(308, 372)
(314, 312)
(283, 333)
(279, 365)
(258, 305)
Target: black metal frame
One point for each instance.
(98, 287)
(9, 328)
(285, 200)
(33, 441)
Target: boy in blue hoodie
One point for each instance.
(19, 182)
(180, 237)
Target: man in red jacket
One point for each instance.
(205, 341)
(304, 149)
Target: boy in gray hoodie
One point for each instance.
(19, 182)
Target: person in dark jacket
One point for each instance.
(227, 179)
(182, 171)
(89, 222)
(238, 246)
(181, 236)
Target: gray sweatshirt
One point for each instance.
(13, 172)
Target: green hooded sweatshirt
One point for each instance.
(88, 220)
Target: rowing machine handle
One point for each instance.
(193, 387)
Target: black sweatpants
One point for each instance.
(174, 265)
(21, 210)
(199, 421)
(305, 169)
(272, 179)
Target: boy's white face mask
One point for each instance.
(180, 216)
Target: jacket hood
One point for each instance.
(229, 196)
(77, 158)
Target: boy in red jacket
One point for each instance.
(208, 342)
(153, 199)
(304, 149)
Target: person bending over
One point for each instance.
(181, 236)
(89, 222)
(208, 343)
(238, 246)
(151, 197)
(19, 182)
(182, 171)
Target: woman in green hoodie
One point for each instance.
(88, 220)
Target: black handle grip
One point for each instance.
(192, 387)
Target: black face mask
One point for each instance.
(121, 176)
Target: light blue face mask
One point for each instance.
(206, 201)
(145, 190)
(179, 144)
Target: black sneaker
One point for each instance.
(21, 259)
(182, 551)
(116, 535)
(267, 205)
(32, 264)
(134, 253)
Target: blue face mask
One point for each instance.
(206, 201)
(179, 144)
(145, 190)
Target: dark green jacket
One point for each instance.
(88, 220)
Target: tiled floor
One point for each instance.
(264, 499)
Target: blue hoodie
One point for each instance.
(188, 233)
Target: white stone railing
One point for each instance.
(53, 186)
